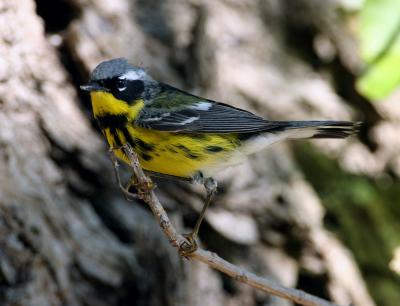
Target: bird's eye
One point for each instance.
(120, 84)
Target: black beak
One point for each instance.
(92, 86)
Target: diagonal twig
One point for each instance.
(146, 193)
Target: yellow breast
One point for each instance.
(177, 154)
(174, 154)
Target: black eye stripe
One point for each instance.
(134, 90)
(120, 83)
(107, 83)
(136, 85)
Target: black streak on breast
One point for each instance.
(145, 156)
(214, 149)
(129, 138)
(112, 121)
(144, 146)
(187, 152)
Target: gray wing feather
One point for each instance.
(217, 118)
(197, 115)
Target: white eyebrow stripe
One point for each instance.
(201, 106)
(132, 75)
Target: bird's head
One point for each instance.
(123, 80)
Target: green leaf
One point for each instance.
(380, 48)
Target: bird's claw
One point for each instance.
(189, 245)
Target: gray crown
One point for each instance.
(112, 68)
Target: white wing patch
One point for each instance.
(160, 118)
(189, 120)
(152, 119)
(203, 106)
(157, 118)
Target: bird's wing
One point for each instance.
(177, 111)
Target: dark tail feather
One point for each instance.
(322, 129)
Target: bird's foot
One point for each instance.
(189, 245)
(142, 188)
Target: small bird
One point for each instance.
(179, 135)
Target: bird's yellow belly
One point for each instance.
(176, 154)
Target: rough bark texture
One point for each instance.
(68, 237)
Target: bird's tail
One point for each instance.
(319, 129)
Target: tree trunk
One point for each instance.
(67, 235)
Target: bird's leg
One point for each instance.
(125, 190)
(132, 182)
(211, 187)
(142, 187)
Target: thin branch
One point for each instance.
(146, 193)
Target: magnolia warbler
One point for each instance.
(180, 135)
